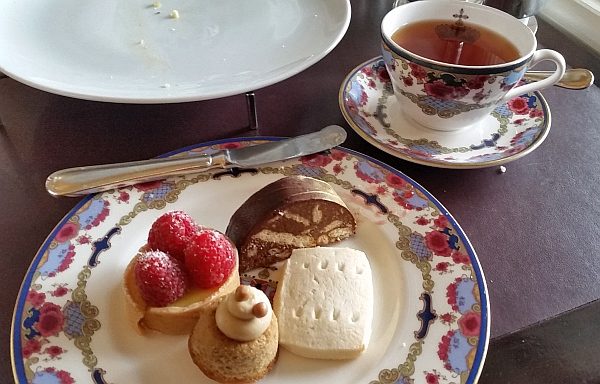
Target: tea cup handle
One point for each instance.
(538, 56)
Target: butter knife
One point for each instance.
(97, 178)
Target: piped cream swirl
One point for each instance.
(245, 314)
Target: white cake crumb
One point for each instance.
(166, 85)
(502, 169)
(174, 14)
(156, 5)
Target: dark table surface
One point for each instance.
(535, 228)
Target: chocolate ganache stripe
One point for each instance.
(292, 212)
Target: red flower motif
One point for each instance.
(441, 90)
(67, 232)
(123, 196)
(477, 82)
(403, 203)
(60, 291)
(83, 239)
(337, 169)
(460, 257)
(407, 80)
(148, 186)
(422, 221)
(451, 294)
(338, 155)
(431, 378)
(369, 178)
(51, 320)
(438, 243)
(444, 345)
(66, 261)
(367, 71)
(533, 113)
(316, 160)
(100, 217)
(470, 324)
(36, 298)
(63, 377)
(442, 266)
(447, 318)
(441, 222)
(31, 346)
(364, 98)
(395, 181)
(383, 75)
(231, 145)
(54, 351)
(417, 71)
(50, 307)
(518, 105)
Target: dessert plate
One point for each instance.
(431, 312)
(511, 131)
(165, 50)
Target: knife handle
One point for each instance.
(97, 178)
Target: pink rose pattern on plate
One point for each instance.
(56, 320)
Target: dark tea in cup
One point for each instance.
(455, 43)
(452, 63)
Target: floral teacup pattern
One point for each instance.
(510, 131)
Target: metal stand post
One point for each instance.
(2, 76)
(251, 106)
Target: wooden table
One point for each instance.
(535, 228)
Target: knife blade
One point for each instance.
(80, 181)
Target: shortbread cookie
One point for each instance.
(324, 303)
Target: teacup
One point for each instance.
(449, 95)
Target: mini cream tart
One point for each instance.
(245, 314)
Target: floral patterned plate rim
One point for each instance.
(511, 131)
(431, 313)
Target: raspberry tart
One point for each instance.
(166, 285)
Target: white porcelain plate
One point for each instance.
(137, 52)
(431, 313)
(510, 132)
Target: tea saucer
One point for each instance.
(511, 131)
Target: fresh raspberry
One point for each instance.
(170, 233)
(160, 278)
(209, 258)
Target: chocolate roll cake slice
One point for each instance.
(292, 212)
